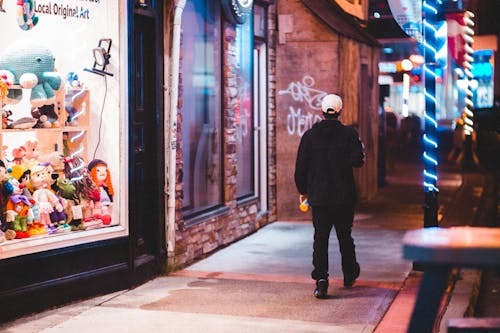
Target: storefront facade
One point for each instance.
(224, 141)
(153, 126)
(100, 100)
(82, 173)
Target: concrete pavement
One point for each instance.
(262, 283)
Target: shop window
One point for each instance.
(61, 144)
(244, 110)
(201, 106)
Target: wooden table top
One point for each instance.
(455, 246)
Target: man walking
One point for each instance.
(323, 176)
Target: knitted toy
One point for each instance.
(86, 190)
(31, 65)
(44, 197)
(32, 150)
(18, 209)
(100, 175)
(18, 155)
(72, 209)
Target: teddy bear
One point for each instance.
(32, 150)
(18, 155)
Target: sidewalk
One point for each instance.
(262, 283)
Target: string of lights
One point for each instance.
(468, 115)
(434, 42)
(80, 149)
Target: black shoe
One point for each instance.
(349, 280)
(321, 288)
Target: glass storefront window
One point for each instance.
(244, 110)
(62, 108)
(201, 115)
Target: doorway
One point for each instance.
(146, 180)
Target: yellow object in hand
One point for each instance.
(304, 206)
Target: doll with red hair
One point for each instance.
(100, 175)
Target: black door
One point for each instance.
(146, 144)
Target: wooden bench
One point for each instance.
(438, 250)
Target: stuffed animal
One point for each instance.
(100, 175)
(42, 119)
(72, 209)
(32, 150)
(18, 155)
(6, 120)
(27, 57)
(44, 197)
(18, 209)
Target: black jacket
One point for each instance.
(323, 170)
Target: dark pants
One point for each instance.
(324, 218)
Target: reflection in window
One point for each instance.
(244, 110)
(201, 122)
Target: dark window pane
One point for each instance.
(244, 109)
(201, 111)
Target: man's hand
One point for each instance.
(302, 197)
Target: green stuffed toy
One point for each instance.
(31, 65)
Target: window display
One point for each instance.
(61, 155)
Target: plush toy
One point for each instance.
(32, 150)
(86, 191)
(3, 196)
(26, 63)
(100, 175)
(6, 118)
(18, 209)
(72, 209)
(42, 121)
(18, 155)
(44, 197)
(73, 80)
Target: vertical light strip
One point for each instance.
(467, 113)
(406, 94)
(434, 42)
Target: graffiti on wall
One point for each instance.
(298, 120)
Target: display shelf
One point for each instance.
(67, 135)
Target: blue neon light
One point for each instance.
(430, 7)
(430, 175)
(435, 51)
(430, 159)
(429, 141)
(431, 187)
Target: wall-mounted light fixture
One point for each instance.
(101, 57)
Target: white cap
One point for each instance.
(331, 104)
